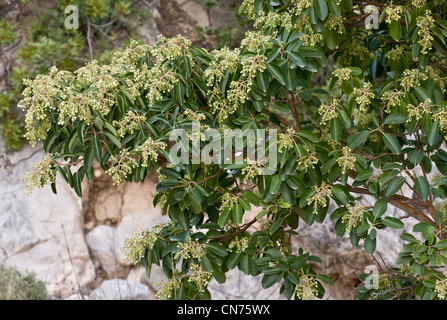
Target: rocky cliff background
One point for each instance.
(73, 244)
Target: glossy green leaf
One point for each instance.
(277, 73)
(97, 150)
(370, 245)
(393, 223)
(394, 186)
(392, 143)
(357, 139)
(238, 213)
(433, 133)
(396, 30)
(379, 208)
(252, 197)
(422, 187)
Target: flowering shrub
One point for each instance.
(371, 123)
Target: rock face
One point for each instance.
(118, 289)
(42, 232)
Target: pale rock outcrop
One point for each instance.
(42, 233)
(100, 240)
(119, 289)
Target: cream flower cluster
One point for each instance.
(441, 288)
(364, 96)
(347, 160)
(129, 123)
(40, 97)
(238, 244)
(319, 199)
(411, 78)
(228, 201)
(251, 171)
(391, 99)
(425, 24)
(148, 150)
(225, 61)
(41, 174)
(308, 161)
(329, 111)
(307, 288)
(353, 216)
(135, 245)
(343, 74)
(192, 248)
(199, 276)
(286, 140)
(393, 13)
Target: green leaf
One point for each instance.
(252, 197)
(417, 269)
(233, 260)
(321, 9)
(291, 79)
(370, 245)
(97, 150)
(379, 208)
(244, 264)
(355, 71)
(297, 58)
(276, 183)
(433, 133)
(396, 118)
(277, 73)
(217, 249)
(392, 143)
(394, 185)
(206, 264)
(408, 237)
(421, 226)
(396, 30)
(183, 219)
(441, 245)
(171, 173)
(306, 95)
(345, 119)
(415, 156)
(224, 217)
(293, 277)
(393, 223)
(334, 8)
(238, 213)
(308, 135)
(422, 187)
(269, 280)
(325, 278)
(340, 193)
(274, 254)
(88, 160)
(245, 204)
(275, 225)
(335, 129)
(355, 140)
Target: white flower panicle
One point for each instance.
(41, 174)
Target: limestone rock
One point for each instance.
(240, 286)
(42, 233)
(101, 240)
(119, 289)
